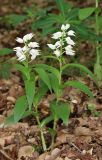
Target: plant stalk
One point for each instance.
(97, 32)
(53, 137)
(41, 132)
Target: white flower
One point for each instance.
(70, 41)
(54, 46)
(65, 27)
(19, 40)
(20, 54)
(33, 45)
(51, 46)
(71, 33)
(57, 35)
(57, 52)
(22, 57)
(63, 37)
(57, 44)
(25, 49)
(17, 49)
(28, 37)
(69, 50)
(34, 53)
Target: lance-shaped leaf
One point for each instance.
(46, 120)
(81, 67)
(5, 51)
(44, 76)
(55, 85)
(24, 70)
(80, 86)
(20, 108)
(61, 110)
(30, 91)
(49, 69)
(86, 12)
(41, 92)
(61, 6)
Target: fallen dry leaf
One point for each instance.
(54, 154)
(25, 151)
(82, 131)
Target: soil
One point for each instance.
(80, 140)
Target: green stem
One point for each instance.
(97, 32)
(60, 65)
(53, 137)
(41, 131)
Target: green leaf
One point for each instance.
(10, 120)
(20, 108)
(5, 70)
(46, 120)
(49, 20)
(98, 71)
(61, 6)
(15, 19)
(100, 23)
(44, 76)
(81, 67)
(55, 85)
(24, 70)
(79, 86)
(61, 110)
(5, 51)
(100, 55)
(40, 93)
(49, 69)
(30, 91)
(72, 15)
(48, 29)
(83, 32)
(86, 12)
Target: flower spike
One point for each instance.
(65, 43)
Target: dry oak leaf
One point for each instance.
(25, 151)
(54, 154)
(82, 131)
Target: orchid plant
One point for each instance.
(39, 78)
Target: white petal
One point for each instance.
(33, 45)
(58, 44)
(57, 52)
(68, 47)
(19, 40)
(22, 58)
(51, 46)
(34, 53)
(70, 52)
(17, 49)
(57, 35)
(28, 37)
(25, 49)
(70, 41)
(65, 27)
(71, 33)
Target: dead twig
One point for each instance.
(5, 154)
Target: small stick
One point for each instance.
(5, 154)
(72, 144)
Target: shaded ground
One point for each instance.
(80, 140)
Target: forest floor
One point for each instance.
(80, 140)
